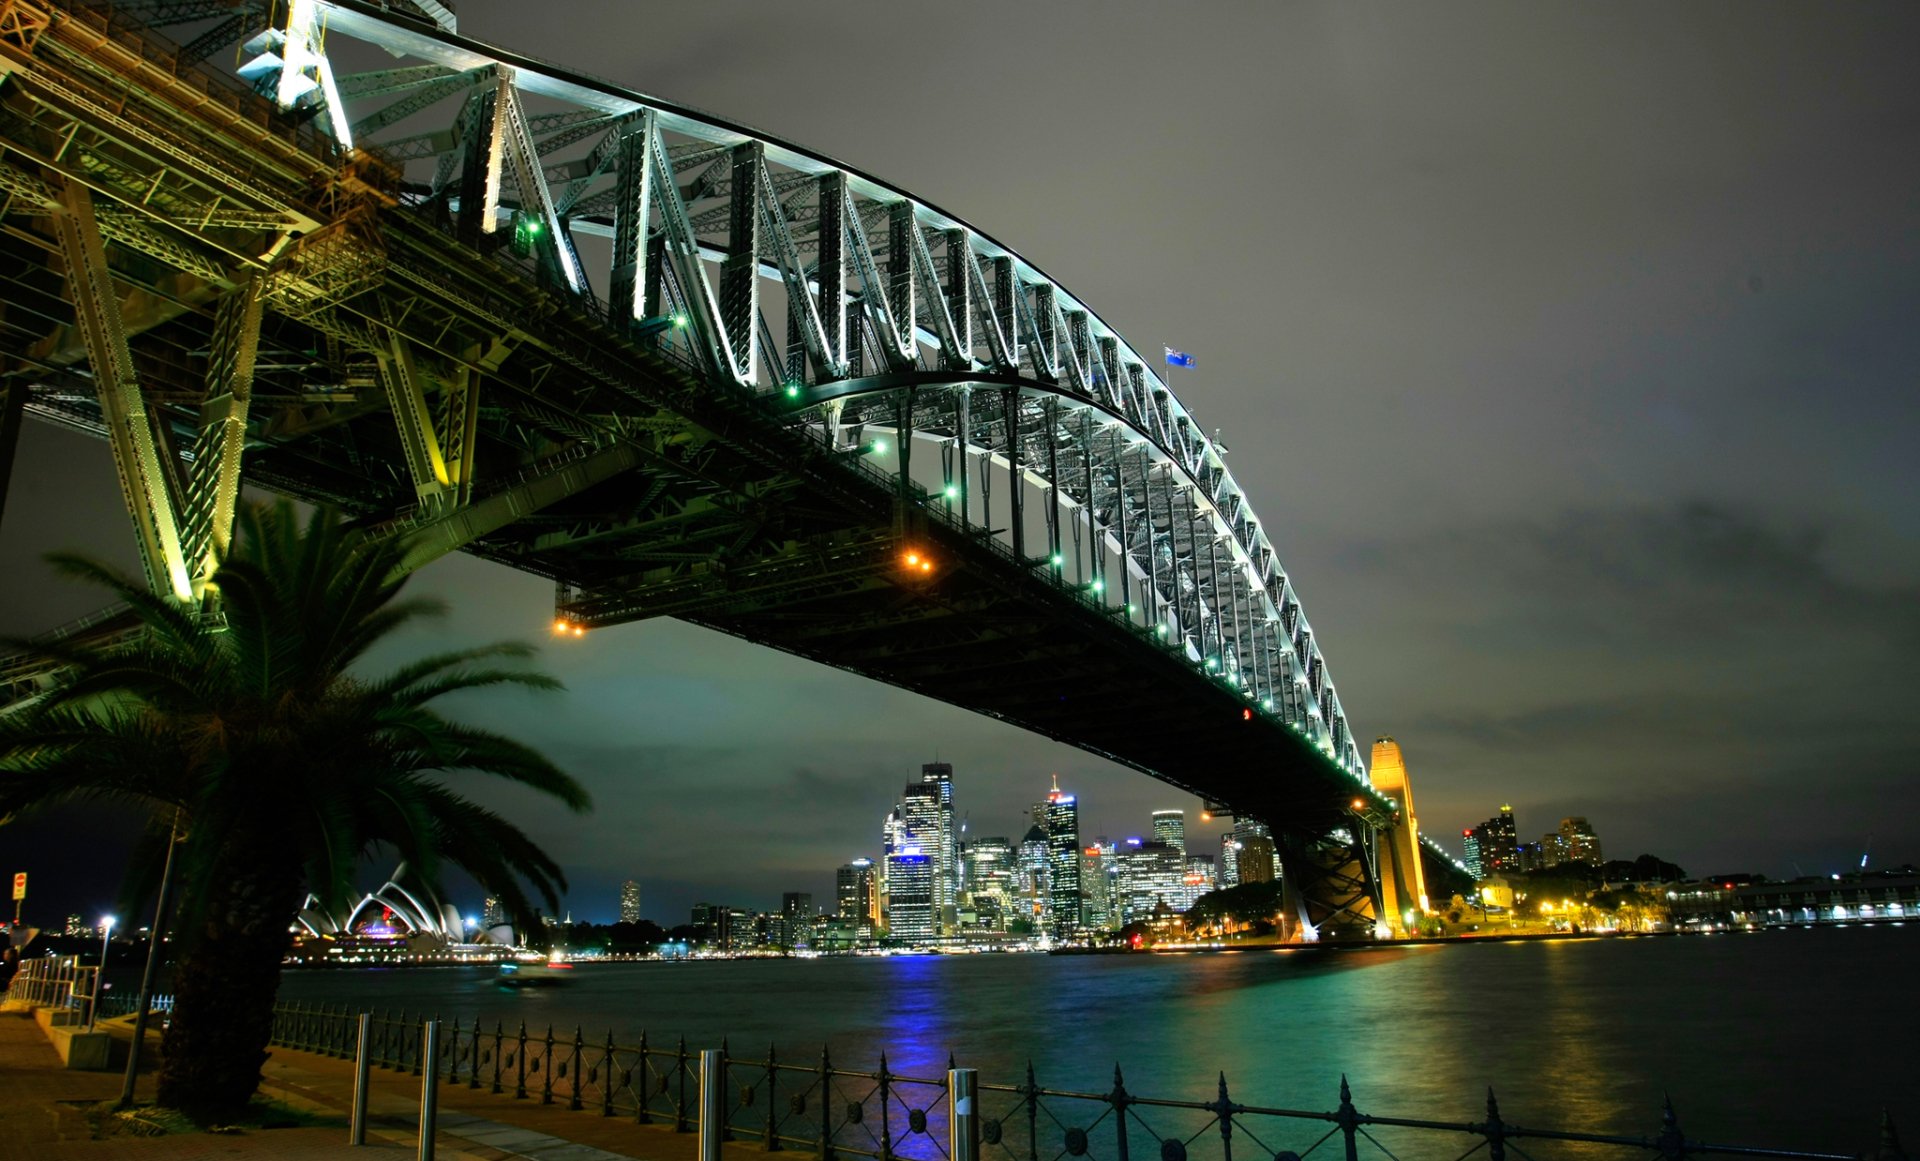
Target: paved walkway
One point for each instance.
(40, 1117)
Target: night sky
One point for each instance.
(1567, 352)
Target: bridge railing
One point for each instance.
(817, 1107)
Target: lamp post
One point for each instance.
(99, 977)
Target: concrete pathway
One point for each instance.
(40, 1117)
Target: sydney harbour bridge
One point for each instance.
(678, 367)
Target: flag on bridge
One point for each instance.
(1180, 358)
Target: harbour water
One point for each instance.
(1790, 1039)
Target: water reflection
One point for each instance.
(1579, 1034)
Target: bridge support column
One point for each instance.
(1330, 885)
(136, 449)
(213, 485)
(13, 405)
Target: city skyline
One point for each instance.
(1626, 433)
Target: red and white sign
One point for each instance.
(19, 886)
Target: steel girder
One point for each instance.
(836, 370)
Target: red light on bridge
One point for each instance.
(1246, 715)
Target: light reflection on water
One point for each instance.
(1787, 1039)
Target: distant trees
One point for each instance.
(1249, 907)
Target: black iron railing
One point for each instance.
(816, 1107)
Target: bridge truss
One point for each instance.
(677, 366)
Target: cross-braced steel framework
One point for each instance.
(680, 367)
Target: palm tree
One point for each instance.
(284, 767)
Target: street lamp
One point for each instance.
(99, 977)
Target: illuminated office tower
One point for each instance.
(910, 896)
(940, 844)
(856, 896)
(992, 882)
(1496, 845)
(1153, 876)
(1096, 910)
(493, 913)
(1063, 863)
(1229, 860)
(1578, 843)
(1198, 881)
(1170, 827)
(630, 901)
(1255, 860)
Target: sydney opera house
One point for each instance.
(402, 920)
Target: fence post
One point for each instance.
(1496, 1130)
(886, 1110)
(772, 1142)
(606, 1079)
(429, 1091)
(1119, 1100)
(680, 1071)
(499, 1042)
(362, 1062)
(1349, 1121)
(473, 1066)
(713, 1103)
(1225, 1111)
(1033, 1115)
(573, 1073)
(963, 1115)
(826, 1105)
(644, 1092)
(546, 1069)
(520, 1065)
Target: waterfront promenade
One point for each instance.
(42, 1117)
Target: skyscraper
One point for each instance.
(1255, 861)
(1096, 912)
(1229, 860)
(1170, 827)
(1063, 863)
(1578, 842)
(856, 896)
(910, 896)
(1152, 875)
(941, 844)
(796, 914)
(1497, 844)
(992, 882)
(630, 901)
(1199, 879)
(493, 913)
(1470, 844)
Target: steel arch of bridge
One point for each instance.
(793, 272)
(894, 337)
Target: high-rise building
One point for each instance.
(796, 918)
(1063, 863)
(856, 896)
(1032, 873)
(1256, 860)
(1170, 827)
(1579, 843)
(1096, 911)
(1199, 879)
(942, 844)
(1470, 845)
(718, 922)
(630, 901)
(493, 913)
(1152, 876)
(993, 882)
(1496, 844)
(910, 896)
(1229, 860)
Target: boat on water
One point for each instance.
(535, 974)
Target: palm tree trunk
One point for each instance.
(224, 990)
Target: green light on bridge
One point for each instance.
(879, 447)
(1057, 560)
(953, 491)
(1099, 586)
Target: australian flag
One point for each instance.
(1180, 358)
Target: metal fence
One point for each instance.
(813, 1106)
(54, 981)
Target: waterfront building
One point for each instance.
(1494, 845)
(630, 901)
(856, 896)
(717, 923)
(1229, 860)
(1170, 827)
(1096, 911)
(1891, 896)
(796, 913)
(1579, 843)
(1531, 857)
(1063, 863)
(1153, 877)
(1033, 872)
(992, 882)
(76, 926)
(1198, 881)
(1255, 861)
(941, 844)
(910, 916)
